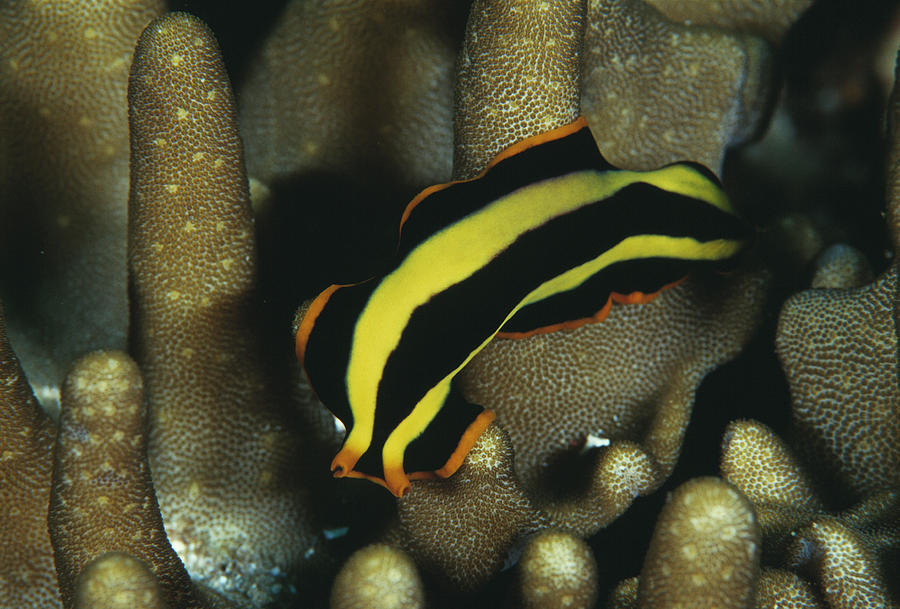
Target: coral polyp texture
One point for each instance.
(64, 181)
(224, 441)
(378, 576)
(188, 464)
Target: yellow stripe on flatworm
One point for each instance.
(475, 240)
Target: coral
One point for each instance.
(223, 433)
(770, 19)
(545, 389)
(838, 348)
(27, 578)
(779, 589)
(346, 111)
(388, 125)
(557, 570)
(704, 551)
(630, 379)
(518, 76)
(462, 528)
(102, 497)
(116, 580)
(841, 266)
(845, 553)
(657, 92)
(378, 576)
(63, 116)
(783, 497)
(848, 571)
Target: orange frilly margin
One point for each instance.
(396, 480)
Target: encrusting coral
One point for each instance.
(63, 119)
(224, 437)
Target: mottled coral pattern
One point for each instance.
(223, 437)
(518, 76)
(768, 18)
(64, 184)
(849, 418)
(711, 528)
(346, 108)
(712, 85)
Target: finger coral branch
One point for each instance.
(783, 496)
(847, 568)
(27, 578)
(223, 441)
(656, 92)
(801, 535)
(378, 577)
(704, 551)
(63, 75)
(841, 266)
(102, 499)
(116, 580)
(518, 76)
(557, 570)
(769, 19)
(779, 589)
(364, 90)
(462, 528)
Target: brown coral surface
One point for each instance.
(344, 108)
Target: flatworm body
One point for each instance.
(547, 237)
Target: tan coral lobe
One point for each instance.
(359, 89)
(224, 442)
(102, 499)
(462, 528)
(657, 92)
(844, 563)
(779, 589)
(117, 581)
(557, 570)
(767, 18)
(378, 577)
(27, 577)
(630, 379)
(704, 551)
(838, 349)
(64, 140)
(759, 463)
(518, 76)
